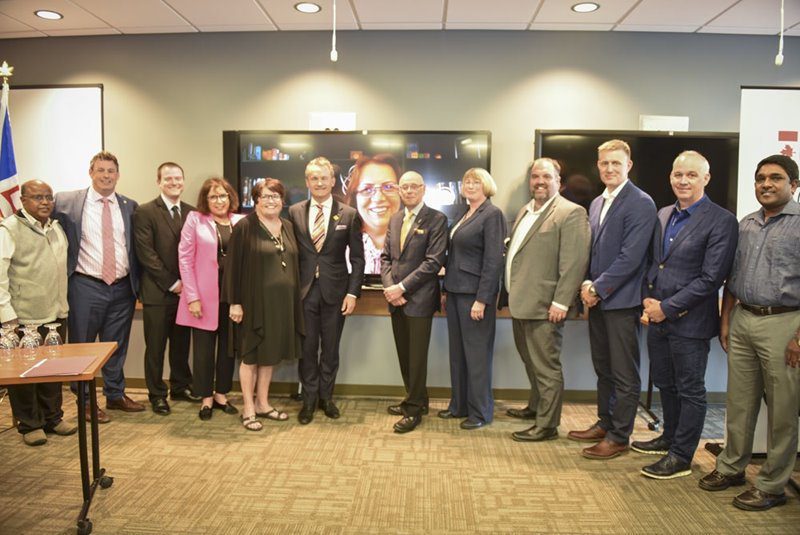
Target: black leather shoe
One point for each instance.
(329, 408)
(227, 408)
(758, 500)
(657, 446)
(535, 434)
(306, 414)
(407, 423)
(186, 395)
(718, 481)
(160, 406)
(446, 414)
(525, 413)
(469, 425)
(667, 467)
(397, 410)
(206, 413)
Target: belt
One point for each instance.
(768, 311)
(101, 281)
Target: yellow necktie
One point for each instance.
(406, 227)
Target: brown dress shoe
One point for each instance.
(718, 481)
(102, 417)
(593, 434)
(124, 404)
(758, 500)
(605, 449)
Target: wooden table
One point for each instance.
(101, 351)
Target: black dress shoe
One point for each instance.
(227, 408)
(758, 500)
(407, 423)
(397, 410)
(160, 406)
(446, 414)
(525, 413)
(657, 446)
(667, 467)
(470, 425)
(718, 481)
(306, 414)
(535, 434)
(186, 395)
(329, 408)
(205, 413)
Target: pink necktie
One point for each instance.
(109, 255)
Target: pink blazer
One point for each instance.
(197, 260)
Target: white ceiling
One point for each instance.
(114, 17)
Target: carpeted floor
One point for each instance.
(178, 475)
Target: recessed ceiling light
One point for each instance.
(585, 7)
(47, 14)
(307, 7)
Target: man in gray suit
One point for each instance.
(415, 249)
(547, 257)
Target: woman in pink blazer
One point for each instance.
(203, 304)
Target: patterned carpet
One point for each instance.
(178, 475)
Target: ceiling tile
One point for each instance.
(286, 17)
(481, 11)
(761, 16)
(569, 27)
(141, 13)
(238, 28)
(655, 28)
(486, 26)
(7, 24)
(21, 35)
(394, 12)
(745, 30)
(558, 11)
(675, 13)
(85, 31)
(216, 12)
(75, 17)
(401, 25)
(184, 28)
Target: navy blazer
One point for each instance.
(475, 254)
(344, 230)
(69, 213)
(620, 247)
(418, 265)
(687, 279)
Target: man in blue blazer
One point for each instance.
(414, 252)
(622, 221)
(103, 271)
(693, 249)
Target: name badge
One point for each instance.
(420, 231)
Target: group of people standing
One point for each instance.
(267, 289)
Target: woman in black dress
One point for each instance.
(263, 283)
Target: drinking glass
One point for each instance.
(29, 342)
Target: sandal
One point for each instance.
(251, 423)
(274, 414)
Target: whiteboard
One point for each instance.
(56, 131)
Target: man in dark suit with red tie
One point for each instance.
(157, 232)
(414, 252)
(328, 236)
(693, 249)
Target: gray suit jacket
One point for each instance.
(550, 262)
(69, 212)
(418, 265)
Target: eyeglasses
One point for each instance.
(218, 198)
(410, 187)
(271, 197)
(387, 188)
(473, 183)
(40, 198)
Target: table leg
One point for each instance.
(84, 524)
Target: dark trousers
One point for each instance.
(412, 337)
(38, 405)
(97, 310)
(212, 373)
(320, 362)
(160, 327)
(471, 352)
(614, 341)
(678, 369)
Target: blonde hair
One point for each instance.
(489, 185)
(321, 162)
(615, 144)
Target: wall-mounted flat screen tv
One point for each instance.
(652, 154)
(365, 162)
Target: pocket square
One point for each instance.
(341, 227)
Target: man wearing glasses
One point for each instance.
(328, 236)
(415, 249)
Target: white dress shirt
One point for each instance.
(90, 253)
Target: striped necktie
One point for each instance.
(109, 271)
(318, 234)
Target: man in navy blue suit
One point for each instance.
(622, 221)
(693, 249)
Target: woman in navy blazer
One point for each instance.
(471, 282)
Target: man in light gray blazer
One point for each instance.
(546, 260)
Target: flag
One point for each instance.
(9, 187)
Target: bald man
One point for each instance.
(693, 249)
(414, 252)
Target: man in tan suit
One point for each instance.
(546, 261)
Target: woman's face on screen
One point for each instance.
(376, 199)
